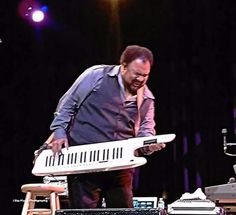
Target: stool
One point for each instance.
(44, 190)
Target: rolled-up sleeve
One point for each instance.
(147, 125)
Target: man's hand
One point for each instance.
(149, 149)
(156, 146)
(56, 145)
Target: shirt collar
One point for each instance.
(116, 72)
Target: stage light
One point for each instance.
(33, 12)
(37, 16)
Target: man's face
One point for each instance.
(135, 74)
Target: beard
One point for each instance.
(134, 86)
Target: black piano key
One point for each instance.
(103, 154)
(75, 159)
(68, 158)
(81, 157)
(121, 152)
(85, 153)
(117, 153)
(71, 158)
(62, 160)
(53, 160)
(91, 154)
(46, 163)
(94, 155)
(113, 154)
(107, 154)
(59, 159)
(50, 160)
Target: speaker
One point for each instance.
(109, 211)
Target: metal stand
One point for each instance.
(226, 145)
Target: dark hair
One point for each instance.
(134, 52)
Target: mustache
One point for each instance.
(136, 82)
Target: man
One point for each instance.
(107, 103)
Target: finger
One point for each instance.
(154, 147)
(56, 147)
(163, 145)
(49, 146)
(59, 146)
(66, 144)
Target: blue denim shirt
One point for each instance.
(88, 81)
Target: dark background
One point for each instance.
(193, 79)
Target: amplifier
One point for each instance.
(110, 211)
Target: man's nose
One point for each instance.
(140, 78)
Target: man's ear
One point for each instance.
(123, 67)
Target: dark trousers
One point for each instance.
(88, 190)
